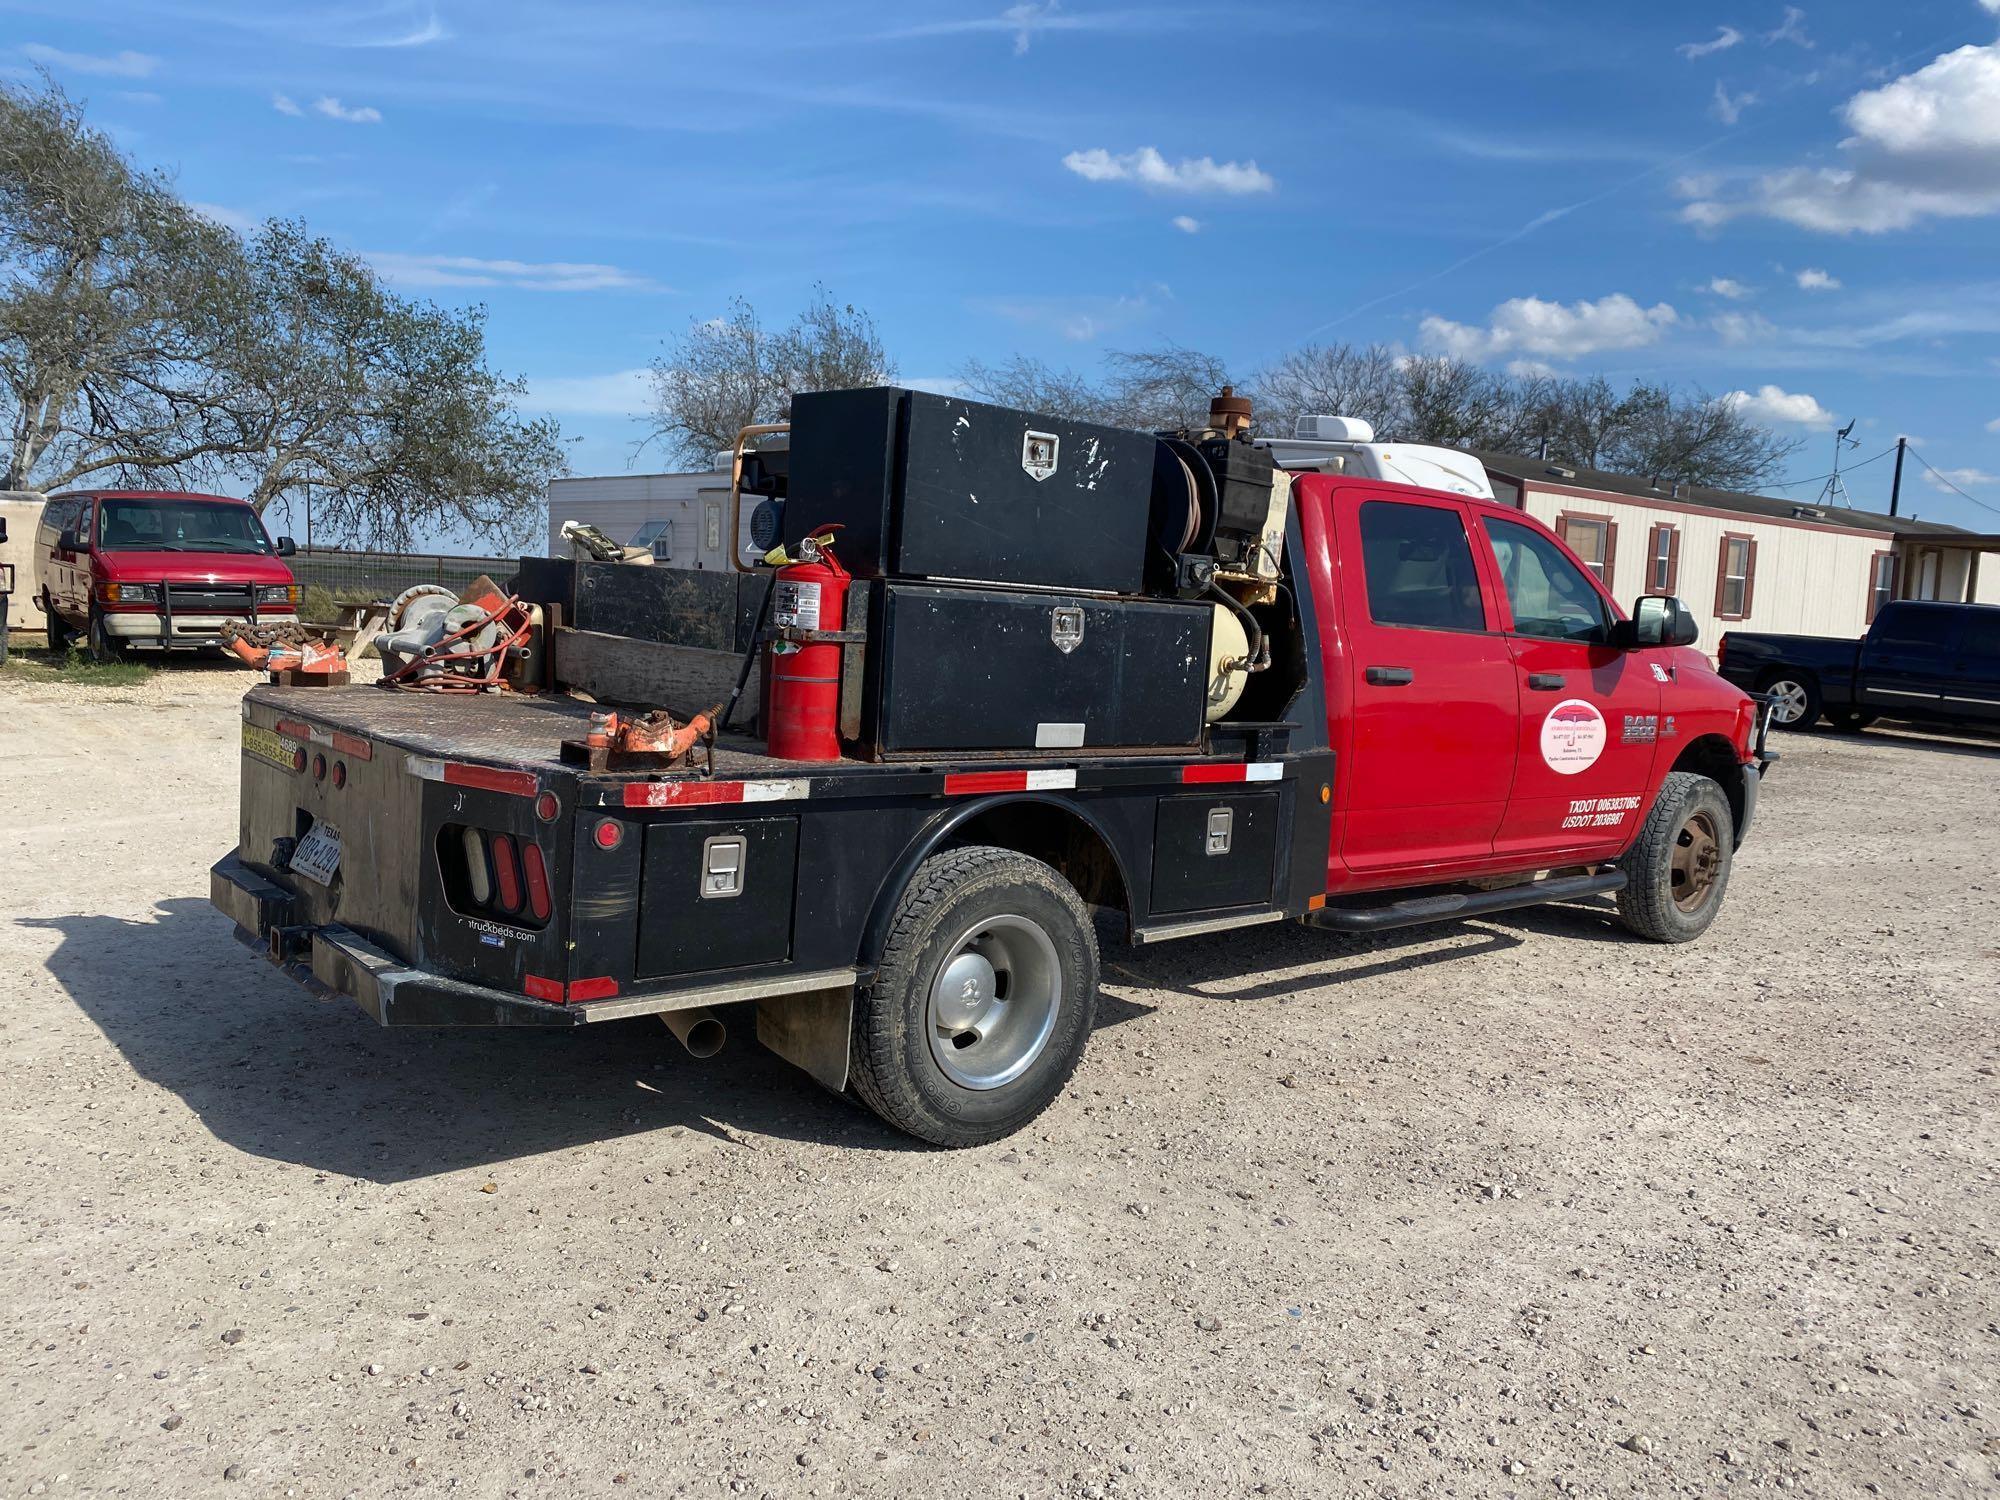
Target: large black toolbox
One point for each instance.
(970, 669)
(928, 486)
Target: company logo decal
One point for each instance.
(1573, 736)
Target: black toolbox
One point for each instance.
(957, 668)
(926, 486)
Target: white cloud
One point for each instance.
(623, 393)
(1812, 279)
(117, 65)
(1149, 169)
(1926, 145)
(1728, 107)
(432, 30)
(1528, 325)
(1029, 19)
(1725, 286)
(1531, 369)
(1026, 19)
(1738, 329)
(1083, 320)
(1994, 425)
(1770, 404)
(1945, 479)
(1189, 225)
(532, 276)
(1792, 29)
(140, 96)
(285, 105)
(1725, 38)
(360, 114)
(229, 218)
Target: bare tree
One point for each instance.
(115, 302)
(1035, 385)
(1336, 380)
(729, 373)
(1698, 439)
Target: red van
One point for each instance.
(157, 569)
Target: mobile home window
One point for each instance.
(1737, 578)
(1592, 539)
(1881, 583)
(1663, 555)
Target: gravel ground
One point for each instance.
(1504, 1207)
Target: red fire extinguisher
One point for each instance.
(803, 716)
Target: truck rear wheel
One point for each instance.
(983, 1001)
(1798, 698)
(1678, 867)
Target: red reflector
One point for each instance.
(298, 760)
(295, 728)
(1193, 775)
(486, 778)
(506, 872)
(592, 989)
(319, 768)
(340, 773)
(610, 833)
(681, 793)
(538, 988)
(547, 807)
(985, 781)
(347, 744)
(537, 876)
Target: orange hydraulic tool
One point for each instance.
(650, 734)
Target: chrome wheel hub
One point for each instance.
(994, 1003)
(1791, 701)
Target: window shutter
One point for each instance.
(1610, 553)
(1749, 575)
(1673, 559)
(1562, 529)
(1721, 576)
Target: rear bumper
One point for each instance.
(336, 960)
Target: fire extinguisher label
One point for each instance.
(797, 605)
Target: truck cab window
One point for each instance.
(1900, 626)
(1418, 563)
(1547, 594)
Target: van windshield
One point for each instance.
(179, 526)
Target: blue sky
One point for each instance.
(1798, 203)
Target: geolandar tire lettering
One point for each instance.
(1678, 868)
(983, 1001)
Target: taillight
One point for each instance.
(298, 760)
(547, 807)
(506, 872)
(319, 768)
(610, 833)
(537, 876)
(477, 880)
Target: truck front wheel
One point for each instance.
(983, 1000)
(1678, 867)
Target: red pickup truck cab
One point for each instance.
(157, 569)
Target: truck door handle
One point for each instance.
(1390, 676)
(1546, 682)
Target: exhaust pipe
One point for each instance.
(700, 1031)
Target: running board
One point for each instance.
(1421, 909)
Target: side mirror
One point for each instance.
(286, 547)
(68, 541)
(1657, 620)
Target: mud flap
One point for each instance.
(811, 1031)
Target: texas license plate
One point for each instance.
(318, 854)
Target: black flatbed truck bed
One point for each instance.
(1184, 842)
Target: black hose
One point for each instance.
(1260, 649)
(749, 658)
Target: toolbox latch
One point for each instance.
(1221, 824)
(722, 866)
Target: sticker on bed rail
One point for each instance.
(1573, 737)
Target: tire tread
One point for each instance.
(1646, 904)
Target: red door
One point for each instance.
(1590, 714)
(1434, 713)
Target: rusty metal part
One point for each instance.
(1697, 862)
(1229, 413)
(289, 647)
(465, 649)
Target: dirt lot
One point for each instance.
(1508, 1207)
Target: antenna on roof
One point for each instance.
(1834, 491)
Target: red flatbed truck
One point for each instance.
(1469, 724)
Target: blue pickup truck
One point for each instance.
(1928, 662)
